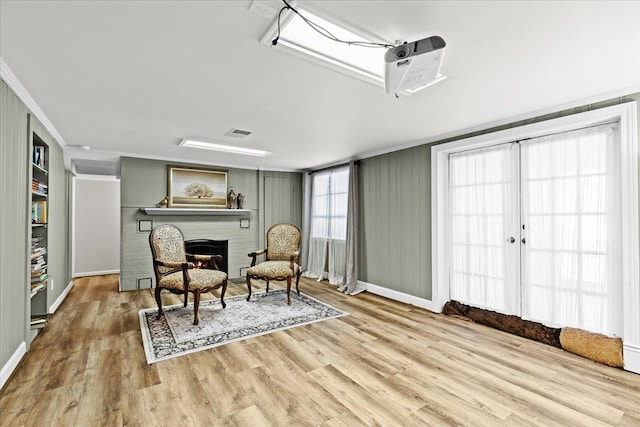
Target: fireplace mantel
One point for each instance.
(193, 211)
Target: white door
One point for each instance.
(535, 229)
(484, 222)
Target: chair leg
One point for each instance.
(267, 284)
(159, 302)
(186, 298)
(297, 281)
(289, 290)
(224, 289)
(196, 304)
(249, 287)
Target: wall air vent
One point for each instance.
(238, 133)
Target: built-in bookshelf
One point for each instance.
(37, 287)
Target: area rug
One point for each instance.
(175, 335)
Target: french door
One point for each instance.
(535, 229)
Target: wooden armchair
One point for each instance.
(177, 275)
(281, 258)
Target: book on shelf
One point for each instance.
(39, 212)
(38, 156)
(38, 187)
(38, 279)
(38, 252)
(38, 267)
(36, 287)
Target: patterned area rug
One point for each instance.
(175, 335)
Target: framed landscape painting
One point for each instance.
(196, 188)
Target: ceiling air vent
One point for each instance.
(238, 133)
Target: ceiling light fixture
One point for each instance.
(224, 148)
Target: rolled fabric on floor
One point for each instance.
(597, 347)
(505, 322)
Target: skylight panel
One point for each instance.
(301, 36)
(298, 35)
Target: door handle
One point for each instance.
(511, 239)
(524, 240)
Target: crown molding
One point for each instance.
(509, 120)
(21, 92)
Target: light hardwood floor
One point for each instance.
(386, 364)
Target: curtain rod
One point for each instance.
(357, 162)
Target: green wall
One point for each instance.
(15, 303)
(271, 197)
(395, 210)
(395, 221)
(13, 222)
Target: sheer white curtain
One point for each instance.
(571, 211)
(484, 229)
(327, 243)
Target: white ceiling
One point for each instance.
(133, 78)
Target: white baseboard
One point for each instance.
(12, 363)
(95, 273)
(631, 356)
(61, 298)
(400, 296)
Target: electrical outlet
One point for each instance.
(262, 9)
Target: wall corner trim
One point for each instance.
(12, 363)
(61, 298)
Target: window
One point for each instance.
(329, 204)
(328, 240)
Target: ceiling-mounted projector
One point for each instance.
(412, 65)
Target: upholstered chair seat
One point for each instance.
(281, 253)
(274, 270)
(177, 275)
(199, 279)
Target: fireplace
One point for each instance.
(210, 247)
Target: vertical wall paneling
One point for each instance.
(14, 223)
(395, 221)
(281, 202)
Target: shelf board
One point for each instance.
(193, 211)
(39, 168)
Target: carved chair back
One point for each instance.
(167, 245)
(282, 241)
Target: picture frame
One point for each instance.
(196, 188)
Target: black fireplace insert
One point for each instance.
(210, 247)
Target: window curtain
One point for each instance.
(351, 262)
(327, 249)
(306, 220)
(484, 228)
(571, 211)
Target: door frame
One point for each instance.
(626, 115)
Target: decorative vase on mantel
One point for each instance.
(240, 199)
(231, 199)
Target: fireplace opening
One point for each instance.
(210, 247)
